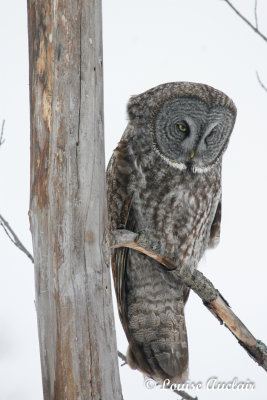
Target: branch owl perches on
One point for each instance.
(164, 178)
(195, 280)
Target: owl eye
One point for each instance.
(182, 127)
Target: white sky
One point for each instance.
(148, 42)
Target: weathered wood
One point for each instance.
(213, 300)
(67, 206)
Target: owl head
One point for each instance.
(190, 123)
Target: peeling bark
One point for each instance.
(67, 205)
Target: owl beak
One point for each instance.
(191, 155)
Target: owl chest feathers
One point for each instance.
(176, 207)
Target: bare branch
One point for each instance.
(184, 395)
(255, 28)
(140, 242)
(260, 81)
(122, 357)
(13, 237)
(256, 14)
(2, 140)
(5, 225)
(212, 299)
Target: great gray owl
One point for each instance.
(164, 178)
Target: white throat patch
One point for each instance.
(172, 163)
(182, 166)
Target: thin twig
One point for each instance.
(184, 395)
(122, 357)
(2, 140)
(255, 28)
(5, 225)
(13, 237)
(212, 299)
(260, 81)
(256, 14)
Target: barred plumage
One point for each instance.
(165, 178)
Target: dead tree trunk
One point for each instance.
(67, 206)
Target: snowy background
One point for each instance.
(148, 42)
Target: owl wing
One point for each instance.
(119, 263)
(120, 192)
(216, 227)
(120, 189)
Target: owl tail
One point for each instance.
(164, 355)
